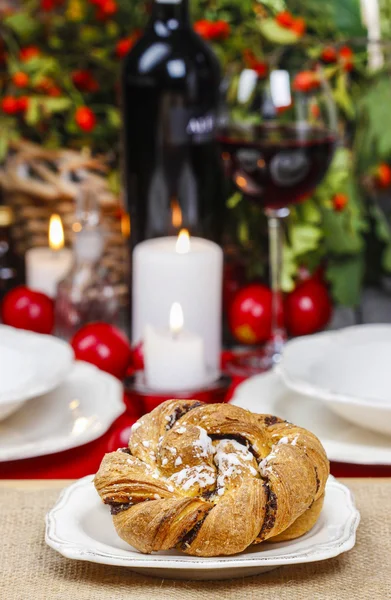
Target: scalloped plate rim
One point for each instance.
(78, 551)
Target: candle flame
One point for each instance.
(56, 233)
(176, 318)
(176, 213)
(183, 242)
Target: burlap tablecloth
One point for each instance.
(29, 570)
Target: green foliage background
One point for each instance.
(354, 244)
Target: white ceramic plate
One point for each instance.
(77, 412)
(80, 527)
(343, 441)
(16, 375)
(42, 362)
(348, 370)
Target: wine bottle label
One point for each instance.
(186, 124)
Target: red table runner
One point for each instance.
(86, 459)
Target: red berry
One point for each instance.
(305, 81)
(84, 81)
(85, 118)
(9, 105)
(124, 46)
(212, 30)
(259, 66)
(340, 201)
(20, 79)
(48, 86)
(329, 54)
(221, 30)
(28, 53)
(54, 91)
(23, 104)
(383, 175)
(346, 57)
(315, 111)
(25, 309)
(48, 5)
(107, 9)
(104, 346)
(250, 314)
(299, 26)
(285, 19)
(308, 308)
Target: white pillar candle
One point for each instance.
(46, 267)
(174, 359)
(168, 270)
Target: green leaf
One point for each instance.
(386, 259)
(373, 139)
(340, 237)
(32, 115)
(234, 200)
(276, 34)
(53, 105)
(342, 96)
(382, 227)
(289, 269)
(346, 278)
(347, 17)
(114, 117)
(304, 238)
(3, 147)
(55, 42)
(243, 232)
(114, 181)
(22, 24)
(310, 212)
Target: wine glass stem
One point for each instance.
(276, 242)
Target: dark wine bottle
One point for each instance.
(170, 96)
(10, 263)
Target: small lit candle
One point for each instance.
(46, 267)
(174, 358)
(182, 269)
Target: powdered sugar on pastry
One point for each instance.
(230, 459)
(203, 445)
(200, 475)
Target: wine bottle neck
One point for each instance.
(171, 10)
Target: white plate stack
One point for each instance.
(49, 402)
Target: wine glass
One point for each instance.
(278, 136)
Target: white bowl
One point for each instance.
(33, 364)
(16, 375)
(343, 441)
(349, 370)
(77, 412)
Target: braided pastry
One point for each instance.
(211, 479)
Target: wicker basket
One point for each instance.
(38, 182)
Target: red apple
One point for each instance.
(104, 346)
(25, 309)
(250, 314)
(308, 308)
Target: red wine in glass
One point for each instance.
(276, 165)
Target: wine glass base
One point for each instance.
(247, 363)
